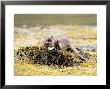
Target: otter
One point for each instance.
(60, 42)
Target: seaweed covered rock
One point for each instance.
(38, 55)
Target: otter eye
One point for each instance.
(49, 40)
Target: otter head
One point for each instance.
(48, 43)
(49, 39)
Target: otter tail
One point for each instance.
(78, 53)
